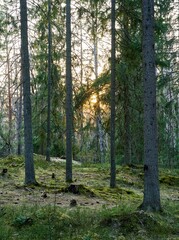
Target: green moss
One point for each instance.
(12, 161)
(91, 181)
(115, 195)
(170, 180)
(78, 189)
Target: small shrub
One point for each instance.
(22, 220)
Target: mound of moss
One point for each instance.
(78, 189)
(170, 180)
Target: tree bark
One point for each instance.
(49, 82)
(151, 201)
(113, 112)
(19, 122)
(29, 163)
(127, 135)
(9, 99)
(69, 117)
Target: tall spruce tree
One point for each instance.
(129, 84)
(40, 69)
(151, 201)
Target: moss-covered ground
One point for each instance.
(85, 209)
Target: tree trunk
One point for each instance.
(113, 112)
(127, 78)
(151, 201)
(69, 117)
(81, 81)
(19, 122)
(101, 136)
(29, 163)
(9, 100)
(49, 82)
(127, 135)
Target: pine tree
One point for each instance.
(69, 117)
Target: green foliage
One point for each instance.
(22, 220)
(120, 222)
(39, 83)
(170, 180)
(93, 22)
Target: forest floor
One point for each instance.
(110, 213)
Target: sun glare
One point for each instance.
(93, 99)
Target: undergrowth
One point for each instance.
(120, 222)
(116, 218)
